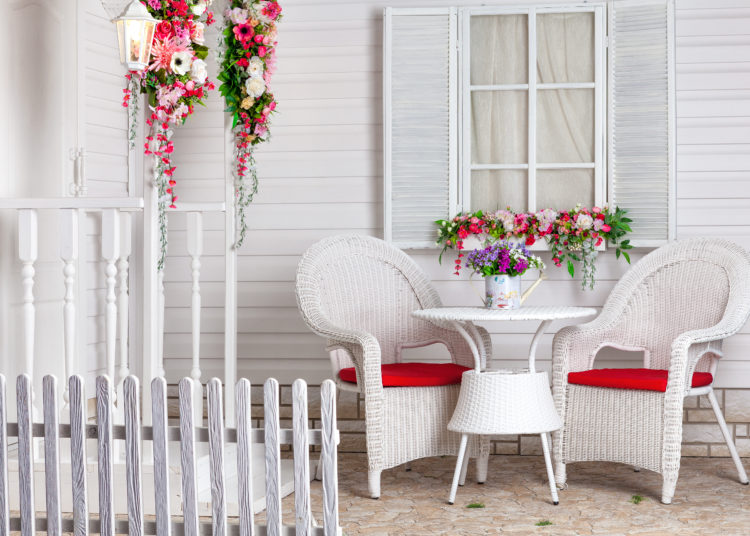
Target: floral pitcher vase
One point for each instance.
(504, 291)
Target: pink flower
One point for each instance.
(154, 4)
(258, 38)
(606, 228)
(162, 51)
(243, 32)
(262, 51)
(260, 130)
(271, 10)
(596, 210)
(163, 30)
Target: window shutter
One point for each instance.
(420, 146)
(641, 116)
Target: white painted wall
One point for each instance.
(321, 175)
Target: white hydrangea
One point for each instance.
(584, 222)
(255, 67)
(255, 87)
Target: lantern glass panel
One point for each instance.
(146, 48)
(121, 39)
(134, 35)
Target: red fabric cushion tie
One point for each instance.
(413, 374)
(639, 378)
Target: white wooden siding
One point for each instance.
(322, 174)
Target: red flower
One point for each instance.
(242, 62)
(164, 30)
(530, 240)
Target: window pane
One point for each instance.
(565, 126)
(499, 49)
(495, 189)
(499, 127)
(565, 47)
(563, 189)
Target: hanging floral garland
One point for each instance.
(248, 62)
(175, 81)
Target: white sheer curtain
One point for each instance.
(565, 117)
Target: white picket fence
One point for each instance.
(160, 434)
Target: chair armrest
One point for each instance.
(689, 347)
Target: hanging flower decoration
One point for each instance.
(248, 62)
(175, 81)
(572, 235)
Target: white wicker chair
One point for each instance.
(676, 305)
(359, 292)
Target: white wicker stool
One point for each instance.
(507, 402)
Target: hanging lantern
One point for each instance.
(135, 32)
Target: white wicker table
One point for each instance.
(502, 402)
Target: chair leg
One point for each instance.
(408, 467)
(550, 472)
(373, 483)
(561, 475)
(459, 465)
(728, 437)
(482, 462)
(668, 486)
(464, 469)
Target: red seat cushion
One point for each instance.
(632, 378)
(413, 374)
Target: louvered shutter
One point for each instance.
(420, 146)
(641, 116)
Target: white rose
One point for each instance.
(198, 35)
(199, 8)
(584, 221)
(180, 63)
(198, 71)
(255, 87)
(255, 67)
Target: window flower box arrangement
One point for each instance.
(572, 235)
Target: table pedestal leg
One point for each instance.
(550, 472)
(459, 465)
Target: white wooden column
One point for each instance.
(195, 250)
(27, 253)
(160, 322)
(69, 256)
(110, 253)
(230, 275)
(123, 306)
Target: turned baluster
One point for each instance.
(27, 253)
(195, 250)
(110, 253)
(69, 256)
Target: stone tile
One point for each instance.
(506, 447)
(353, 443)
(346, 405)
(721, 450)
(690, 402)
(701, 415)
(694, 450)
(701, 433)
(737, 407)
(351, 425)
(531, 445)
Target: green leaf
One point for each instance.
(627, 257)
(617, 253)
(543, 523)
(571, 268)
(475, 505)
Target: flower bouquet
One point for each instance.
(502, 264)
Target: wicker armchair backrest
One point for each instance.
(363, 283)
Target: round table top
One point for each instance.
(482, 314)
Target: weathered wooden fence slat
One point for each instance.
(328, 458)
(273, 456)
(161, 455)
(216, 457)
(303, 520)
(244, 458)
(51, 455)
(25, 455)
(132, 413)
(187, 458)
(104, 454)
(133, 433)
(4, 506)
(78, 456)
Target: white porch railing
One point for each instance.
(118, 234)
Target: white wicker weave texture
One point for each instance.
(359, 292)
(676, 305)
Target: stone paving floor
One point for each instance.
(709, 500)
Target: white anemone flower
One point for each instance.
(255, 87)
(181, 62)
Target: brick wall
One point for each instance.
(701, 433)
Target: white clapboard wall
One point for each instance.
(63, 501)
(322, 174)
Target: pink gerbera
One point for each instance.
(162, 52)
(243, 32)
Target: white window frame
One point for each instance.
(600, 100)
